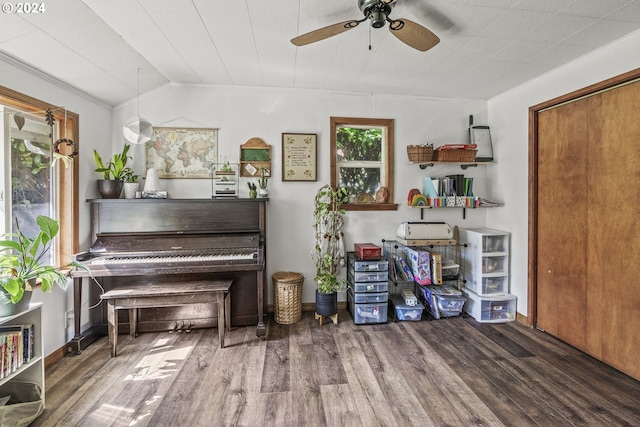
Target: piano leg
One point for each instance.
(74, 344)
(79, 340)
(261, 330)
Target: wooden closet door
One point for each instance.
(562, 221)
(613, 246)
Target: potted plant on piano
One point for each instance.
(328, 253)
(24, 265)
(113, 173)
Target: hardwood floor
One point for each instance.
(449, 372)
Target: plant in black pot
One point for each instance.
(23, 265)
(328, 253)
(113, 173)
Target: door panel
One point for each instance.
(562, 178)
(588, 237)
(613, 295)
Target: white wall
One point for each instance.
(242, 113)
(95, 131)
(508, 114)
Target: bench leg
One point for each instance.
(133, 322)
(112, 317)
(227, 310)
(222, 317)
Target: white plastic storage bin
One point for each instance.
(367, 313)
(497, 308)
(443, 301)
(404, 311)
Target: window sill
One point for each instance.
(370, 206)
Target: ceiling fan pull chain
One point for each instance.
(369, 37)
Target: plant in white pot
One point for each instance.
(23, 266)
(263, 181)
(131, 185)
(328, 253)
(112, 172)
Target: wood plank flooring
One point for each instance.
(448, 372)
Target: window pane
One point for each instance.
(360, 180)
(31, 190)
(355, 144)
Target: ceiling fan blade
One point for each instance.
(412, 34)
(324, 33)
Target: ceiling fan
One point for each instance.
(377, 11)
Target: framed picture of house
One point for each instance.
(182, 152)
(299, 157)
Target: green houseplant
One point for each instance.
(252, 190)
(22, 264)
(113, 172)
(328, 250)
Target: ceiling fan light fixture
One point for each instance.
(378, 18)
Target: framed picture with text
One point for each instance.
(299, 154)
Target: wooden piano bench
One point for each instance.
(145, 294)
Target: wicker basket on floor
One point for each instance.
(287, 297)
(454, 155)
(420, 153)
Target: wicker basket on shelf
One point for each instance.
(287, 297)
(420, 153)
(454, 155)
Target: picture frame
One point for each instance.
(481, 136)
(182, 152)
(299, 156)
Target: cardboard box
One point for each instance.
(420, 262)
(367, 251)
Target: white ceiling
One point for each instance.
(487, 46)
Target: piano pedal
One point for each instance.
(175, 328)
(188, 328)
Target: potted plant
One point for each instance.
(328, 251)
(131, 184)
(23, 266)
(263, 181)
(252, 190)
(112, 172)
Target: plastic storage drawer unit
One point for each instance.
(498, 308)
(367, 313)
(370, 276)
(368, 298)
(368, 265)
(370, 287)
(487, 285)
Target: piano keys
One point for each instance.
(176, 239)
(234, 255)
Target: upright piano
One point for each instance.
(174, 240)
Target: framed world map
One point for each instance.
(182, 152)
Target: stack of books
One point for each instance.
(16, 347)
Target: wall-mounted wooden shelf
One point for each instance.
(255, 155)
